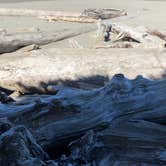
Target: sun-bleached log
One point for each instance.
(12, 42)
(126, 33)
(88, 15)
(157, 33)
(35, 70)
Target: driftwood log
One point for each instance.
(158, 33)
(143, 37)
(146, 37)
(88, 15)
(26, 71)
(12, 42)
(125, 121)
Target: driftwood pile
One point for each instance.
(122, 123)
(12, 42)
(128, 37)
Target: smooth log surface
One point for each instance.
(22, 71)
(12, 42)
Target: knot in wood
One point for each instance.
(119, 83)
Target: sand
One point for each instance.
(149, 13)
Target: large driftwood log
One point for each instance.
(146, 38)
(88, 15)
(37, 69)
(127, 116)
(12, 42)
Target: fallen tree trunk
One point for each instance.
(88, 15)
(12, 42)
(146, 38)
(126, 116)
(31, 71)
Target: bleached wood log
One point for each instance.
(157, 33)
(35, 70)
(125, 32)
(12, 42)
(124, 113)
(88, 15)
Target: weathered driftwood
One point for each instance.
(28, 71)
(117, 45)
(19, 148)
(126, 116)
(102, 13)
(125, 33)
(88, 15)
(157, 33)
(12, 42)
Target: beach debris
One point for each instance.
(87, 16)
(29, 48)
(13, 42)
(80, 127)
(155, 32)
(144, 37)
(103, 13)
(103, 30)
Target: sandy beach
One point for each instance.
(150, 13)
